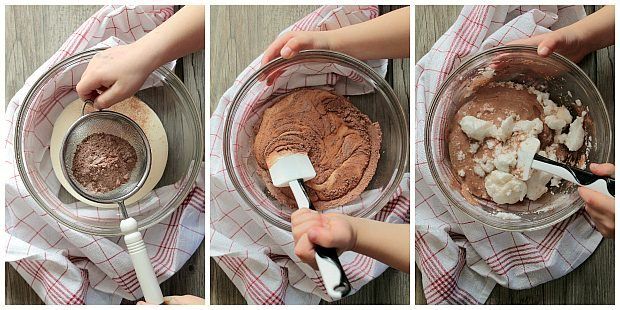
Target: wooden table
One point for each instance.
(33, 34)
(593, 281)
(238, 35)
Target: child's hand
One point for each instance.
(291, 43)
(114, 74)
(563, 41)
(118, 72)
(600, 207)
(179, 300)
(574, 41)
(327, 230)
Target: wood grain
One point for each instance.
(238, 35)
(597, 271)
(33, 34)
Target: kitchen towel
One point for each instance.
(256, 255)
(460, 259)
(62, 265)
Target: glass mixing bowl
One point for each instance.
(565, 82)
(169, 99)
(255, 95)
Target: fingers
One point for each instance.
(303, 220)
(606, 169)
(111, 96)
(324, 237)
(547, 43)
(601, 209)
(88, 85)
(304, 249)
(527, 41)
(289, 45)
(303, 228)
(183, 300)
(302, 215)
(273, 51)
(295, 45)
(605, 225)
(599, 203)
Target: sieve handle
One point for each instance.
(87, 102)
(141, 262)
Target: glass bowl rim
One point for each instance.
(536, 225)
(328, 55)
(170, 79)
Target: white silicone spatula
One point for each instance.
(527, 158)
(292, 170)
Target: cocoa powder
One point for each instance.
(103, 162)
(342, 144)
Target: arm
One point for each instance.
(574, 41)
(597, 29)
(183, 33)
(386, 242)
(386, 36)
(118, 72)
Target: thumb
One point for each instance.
(606, 169)
(295, 45)
(548, 45)
(110, 96)
(323, 237)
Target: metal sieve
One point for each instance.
(116, 124)
(119, 125)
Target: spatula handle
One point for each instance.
(335, 280)
(603, 185)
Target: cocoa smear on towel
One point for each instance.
(103, 162)
(342, 144)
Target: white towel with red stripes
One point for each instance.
(460, 259)
(257, 256)
(64, 266)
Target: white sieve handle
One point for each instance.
(141, 262)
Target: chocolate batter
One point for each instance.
(493, 104)
(103, 162)
(342, 143)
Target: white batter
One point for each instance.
(139, 112)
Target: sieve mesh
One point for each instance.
(116, 124)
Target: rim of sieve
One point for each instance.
(147, 156)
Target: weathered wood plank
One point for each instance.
(27, 47)
(597, 271)
(238, 35)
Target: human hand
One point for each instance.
(291, 43)
(600, 207)
(327, 230)
(115, 74)
(563, 41)
(179, 300)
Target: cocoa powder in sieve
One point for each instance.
(103, 162)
